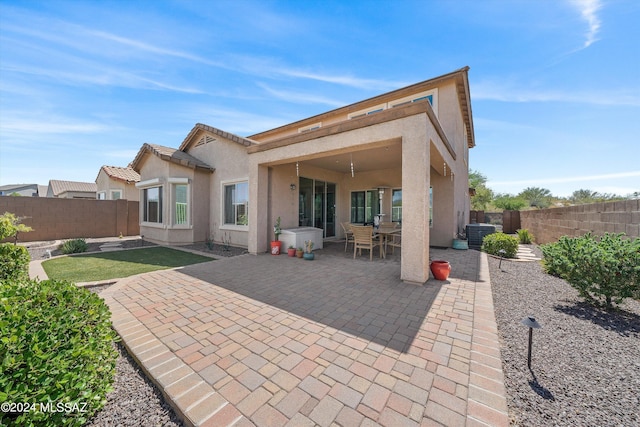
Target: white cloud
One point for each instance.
(344, 80)
(301, 98)
(51, 126)
(511, 92)
(588, 10)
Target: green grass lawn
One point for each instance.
(118, 264)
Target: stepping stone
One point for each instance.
(106, 247)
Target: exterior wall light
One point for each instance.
(292, 187)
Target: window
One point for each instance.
(430, 207)
(236, 204)
(364, 206)
(431, 95)
(102, 195)
(180, 192)
(116, 194)
(152, 204)
(310, 127)
(368, 111)
(396, 206)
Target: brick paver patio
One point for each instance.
(274, 341)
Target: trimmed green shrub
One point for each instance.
(494, 242)
(525, 236)
(604, 270)
(14, 262)
(74, 246)
(56, 348)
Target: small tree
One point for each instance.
(10, 226)
(509, 202)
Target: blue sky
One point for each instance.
(555, 85)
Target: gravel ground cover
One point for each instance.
(585, 360)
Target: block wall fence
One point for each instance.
(548, 225)
(54, 219)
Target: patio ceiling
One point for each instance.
(384, 157)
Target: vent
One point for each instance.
(205, 140)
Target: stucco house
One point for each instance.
(28, 190)
(114, 182)
(403, 154)
(71, 189)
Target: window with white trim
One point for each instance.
(152, 204)
(236, 203)
(101, 195)
(180, 205)
(116, 194)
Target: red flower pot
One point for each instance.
(440, 269)
(291, 252)
(275, 247)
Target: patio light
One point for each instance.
(292, 187)
(532, 324)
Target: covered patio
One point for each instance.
(397, 163)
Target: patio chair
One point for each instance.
(348, 234)
(395, 241)
(363, 239)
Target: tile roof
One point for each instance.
(58, 187)
(122, 174)
(171, 155)
(199, 126)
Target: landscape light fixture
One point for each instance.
(502, 252)
(532, 324)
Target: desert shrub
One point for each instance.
(604, 270)
(14, 262)
(494, 242)
(525, 236)
(56, 347)
(74, 246)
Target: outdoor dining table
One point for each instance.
(383, 234)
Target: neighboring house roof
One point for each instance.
(22, 189)
(199, 126)
(42, 190)
(170, 155)
(58, 187)
(127, 174)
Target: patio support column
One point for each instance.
(258, 208)
(415, 207)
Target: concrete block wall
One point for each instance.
(53, 218)
(548, 225)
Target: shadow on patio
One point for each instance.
(363, 298)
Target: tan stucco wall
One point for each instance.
(153, 167)
(231, 163)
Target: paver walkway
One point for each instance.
(273, 341)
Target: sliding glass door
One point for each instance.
(317, 205)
